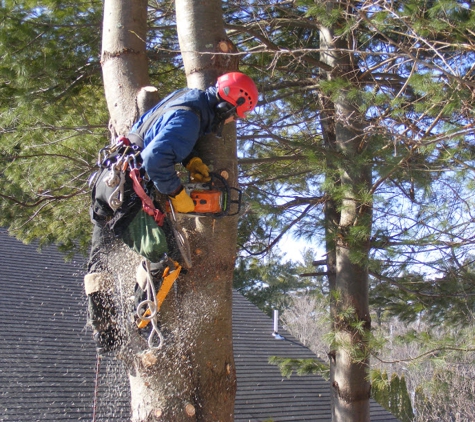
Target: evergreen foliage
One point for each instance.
(414, 87)
(392, 394)
(52, 118)
(412, 84)
(415, 90)
(271, 282)
(301, 366)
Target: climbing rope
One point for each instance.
(147, 312)
(96, 388)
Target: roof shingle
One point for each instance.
(47, 358)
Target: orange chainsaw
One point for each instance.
(214, 198)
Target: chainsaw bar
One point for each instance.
(181, 238)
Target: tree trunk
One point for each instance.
(347, 252)
(201, 29)
(192, 377)
(124, 63)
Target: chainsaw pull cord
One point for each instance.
(147, 312)
(147, 203)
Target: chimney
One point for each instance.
(276, 326)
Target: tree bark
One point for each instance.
(124, 63)
(347, 254)
(192, 377)
(202, 40)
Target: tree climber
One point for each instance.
(166, 135)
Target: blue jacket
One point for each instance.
(171, 137)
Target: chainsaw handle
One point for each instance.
(228, 200)
(234, 201)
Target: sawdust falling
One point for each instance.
(166, 373)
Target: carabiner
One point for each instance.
(113, 179)
(116, 198)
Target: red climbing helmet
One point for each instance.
(239, 90)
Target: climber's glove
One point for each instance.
(181, 201)
(199, 171)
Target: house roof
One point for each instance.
(263, 393)
(48, 360)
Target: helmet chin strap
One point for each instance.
(224, 111)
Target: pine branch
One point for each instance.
(49, 198)
(275, 159)
(288, 366)
(422, 355)
(27, 157)
(282, 233)
(417, 292)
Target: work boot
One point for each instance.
(101, 316)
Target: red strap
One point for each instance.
(147, 203)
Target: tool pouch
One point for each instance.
(145, 237)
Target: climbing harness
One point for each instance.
(147, 203)
(147, 310)
(122, 160)
(121, 184)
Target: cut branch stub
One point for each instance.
(225, 61)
